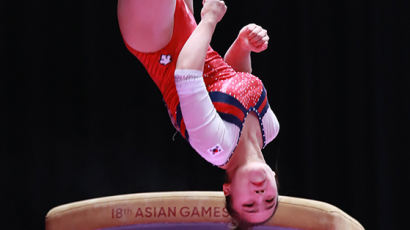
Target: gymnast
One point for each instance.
(215, 103)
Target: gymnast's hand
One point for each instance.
(254, 38)
(213, 10)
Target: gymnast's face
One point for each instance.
(253, 192)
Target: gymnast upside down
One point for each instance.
(216, 104)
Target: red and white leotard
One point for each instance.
(234, 94)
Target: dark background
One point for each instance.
(80, 118)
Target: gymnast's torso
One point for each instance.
(234, 94)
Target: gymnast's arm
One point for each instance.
(146, 25)
(251, 38)
(192, 55)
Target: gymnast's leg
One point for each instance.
(141, 28)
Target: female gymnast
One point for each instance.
(214, 102)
